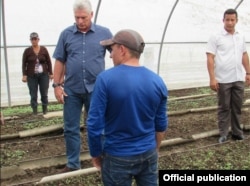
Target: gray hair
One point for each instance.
(82, 4)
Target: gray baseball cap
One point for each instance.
(34, 35)
(129, 38)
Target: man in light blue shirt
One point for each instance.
(79, 59)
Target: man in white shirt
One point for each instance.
(228, 68)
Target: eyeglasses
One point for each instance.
(34, 38)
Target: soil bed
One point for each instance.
(197, 155)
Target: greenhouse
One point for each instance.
(186, 131)
(175, 32)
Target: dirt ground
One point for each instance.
(204, 153)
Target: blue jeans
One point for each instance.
(120, 171)
(72, 110)
(40, 80)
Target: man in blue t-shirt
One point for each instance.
(127, 118)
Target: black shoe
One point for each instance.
(238, 137)
(222, 139)
(45, 109)
(34, 110)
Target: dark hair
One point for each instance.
(231, 11)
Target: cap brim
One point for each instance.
(107, 42)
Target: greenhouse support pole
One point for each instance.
(238, 4)
(97, 10)
(5, 53)
(163, 35)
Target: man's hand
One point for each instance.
(214, 85)
(97, 162)
(59, 94)
(248, 79)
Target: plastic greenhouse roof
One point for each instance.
(175, 33)
(191, 20)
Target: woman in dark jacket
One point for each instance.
(37, 70)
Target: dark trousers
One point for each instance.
(230, 100)
(40, 81)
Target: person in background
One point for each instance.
(37, 71)
(79, 58)
(228, 68)
(127, 118)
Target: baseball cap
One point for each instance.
(34, 35)
(128, 38)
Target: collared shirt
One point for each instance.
(83, 56)
(228, 50)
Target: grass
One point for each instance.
(192, 103)
(42, 123)
(9, 156)
(26, 109)
(230, 156)
(32, 122)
